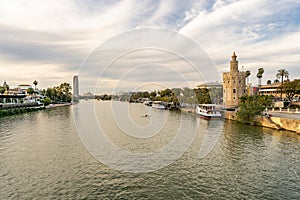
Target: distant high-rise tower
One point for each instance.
(234, 84)
(75, 88)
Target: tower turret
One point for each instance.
(234, 63)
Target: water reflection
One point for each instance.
(42, 157)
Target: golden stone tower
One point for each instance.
(234, 84)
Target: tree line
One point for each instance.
(176, 95)
(57, 94)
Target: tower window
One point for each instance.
(233, 98)
(228, 81)
(234, 91)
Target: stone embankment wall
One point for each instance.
(232, 115)
(287, 124)
(267, 122)
(271, 122)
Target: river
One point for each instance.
(43, 156)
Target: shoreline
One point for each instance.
(57, 105)
(20, 110)
(274, 122)
(26, 109)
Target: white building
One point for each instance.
(75, 87)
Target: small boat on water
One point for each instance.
(148, 103)
(159, 105)
(208, 111)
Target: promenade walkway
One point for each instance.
(285, 113)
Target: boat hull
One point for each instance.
(207, 111)
(209, 117)
(158, 106)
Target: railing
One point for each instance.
(18, 105)
(283, 110)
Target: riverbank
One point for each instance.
(275, 122)
(19, 110)
(57, 105)
(14, 109)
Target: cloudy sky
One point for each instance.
(50, 40)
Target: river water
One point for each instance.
(43, 157)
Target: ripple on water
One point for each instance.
(42, 157)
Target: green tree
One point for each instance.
(282, 73)
(269, 82)
(153, 95)
(203, 95)
(146, 94)
(2, 90)
(276, 81)
(49, 93)
(46, 101)
(252, 106)
(259, 75)
(6, 87)
(60, 93)
(65, 92)
(166, 93)
(44, 92)
(30, 91)
(290, 88)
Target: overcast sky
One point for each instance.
(49, 40)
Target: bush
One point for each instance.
(252, 106)
(46, 101)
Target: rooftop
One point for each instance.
(273, 85)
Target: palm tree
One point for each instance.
(282, 73)
(259, 75)
(6, 87)
(35, 83)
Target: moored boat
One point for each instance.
(148, 103)
(159, 105)
(208, 111)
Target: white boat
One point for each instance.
(208, 111)
(148, 103)
(159, 105)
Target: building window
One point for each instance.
(233, 81)
(228, 81)
(244, 90)
(233, 98)
(234, 91)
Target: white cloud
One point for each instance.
(250, 28)
(49, 39)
